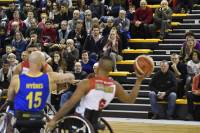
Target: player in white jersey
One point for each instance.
(96, 93)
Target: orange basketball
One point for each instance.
(144, 65)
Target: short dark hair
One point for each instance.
(37, 45)
(103, 63)
(84, 51)
(195, 51)
(189, 33)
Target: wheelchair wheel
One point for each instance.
(106, 128)
(74, 124)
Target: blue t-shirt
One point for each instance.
(88, 67)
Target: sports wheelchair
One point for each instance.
(91, 123)
(24, 122)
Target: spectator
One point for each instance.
(27, 21)
(55, 15)
(8, 51)
(97, 9)
(16, 19)
(48, 34)
(193, 96)
(5, 76)
(33, 28)
(88, 21)
(94, 43)
(12, 61)
(188, 47)
(162, 19)
(3, 38)
(109, 26)
(19, 44)
(65, 2)
(163, 87)
(79, 75)
(44, 18)
(180, 71)
(78, 35)
(193, 68)
(131, 12)
(72, 23)
(113, 47)
(3, 18)
(123, 25)
(63, 32)
(143, 17)
(70, 54)
(92, 75)
(65, 12)
(58, 64)
(86, 62)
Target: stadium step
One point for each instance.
(173, 41)
(125, 114)
(169, 46)
(128, 107)
(187, 26)
(185, 30)
(143, 43)
(195, 21)
(195, 11)
(178, 35)
(166, 52)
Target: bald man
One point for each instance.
(96, 93)
(29, 92)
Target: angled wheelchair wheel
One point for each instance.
(74, 124)
(104, 126)
(49, 110)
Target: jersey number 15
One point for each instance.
(34, 99)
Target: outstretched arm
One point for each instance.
(129, 98)
(59, 78)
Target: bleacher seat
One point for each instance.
(136, 51)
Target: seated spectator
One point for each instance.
(109, 26)
(92, 75)
(86, 62)
(3, 18)
(97, 9)
(123, 24)
(183, 6)
(180, 71)
(88, 21)
(115, 8)
(72, 23)
(163, 87)
(131, 12)
(19, 44)
(70, 54)
(78, 35)
(48, 34)
(17, 19)
(193, 96)
(193, 68)
(79, 75)
(65, 12)
(94, 43)
(12, 61)
(8, 51)
(58, 64)
(3, 38)
(41, 23)
(33, 28)
(143, 17)
(5, 76)
(162, 19)
(27, 21)
(63, 32)
(188, 47)
(113, 47)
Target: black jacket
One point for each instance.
(163, 82)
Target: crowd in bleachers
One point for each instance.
(73, 38)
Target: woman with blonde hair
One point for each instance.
(113, 46)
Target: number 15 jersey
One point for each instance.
(32, 92)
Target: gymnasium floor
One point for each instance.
(121, 125)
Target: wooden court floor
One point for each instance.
(126, 127)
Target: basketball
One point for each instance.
(144, 65)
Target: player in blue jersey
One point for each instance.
(29, 92)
